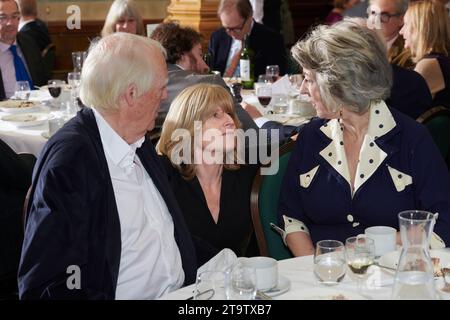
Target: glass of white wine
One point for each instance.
(329, 261)
(360, 255)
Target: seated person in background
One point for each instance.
(20, 58)
(32, 25)
(214, 195)
(101, 209)
(186, 67)
(339, 7)
(388, 15)
(427, 35)
(226, 43)
(15, 173)
(360, 163)
(123, 16)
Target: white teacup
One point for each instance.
(266, 271)
(385, 239)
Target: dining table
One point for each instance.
(297, 282)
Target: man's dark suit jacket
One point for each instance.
(267, 46)
(33, 59)
(409, 93)
(37, 30)
(73, 220)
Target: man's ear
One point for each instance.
(130, 94)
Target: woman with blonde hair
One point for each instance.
(123, 16)
(360, 163)
(339, 7)
(199, 150)
(426, 31)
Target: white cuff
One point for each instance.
(436, 242)
(293, 225)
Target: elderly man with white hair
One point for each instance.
(102, 222)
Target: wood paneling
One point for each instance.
(68, 41)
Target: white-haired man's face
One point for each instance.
(383, 13)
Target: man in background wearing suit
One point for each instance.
(32, 25)
(20, 58)
(102, 221)
(226, 43)
(388, 14)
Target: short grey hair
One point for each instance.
(349, 63)
(113, 64)
(401, 5)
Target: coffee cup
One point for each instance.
(266, 271)
(385, 239)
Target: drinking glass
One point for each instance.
(296, 81)
(22, 90)
(73, 79)
(242, 285)
(78, 60)
(264, 94)
(360, 255)
(262, 78)
(273, 72)
(211, 285)
(280, 103)
(329, 261)
(55, 87)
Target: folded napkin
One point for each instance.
(223, 261)
(284, 86)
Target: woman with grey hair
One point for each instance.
(123, 16)
(360, 163)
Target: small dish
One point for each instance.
(18, 106)
(26, 119)
(284, 284)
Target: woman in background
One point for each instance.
(426, 31)
(123, 16)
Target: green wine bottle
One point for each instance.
(246, 66)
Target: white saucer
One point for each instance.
(284, 284)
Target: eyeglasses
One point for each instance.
(236, 29)
(384, 16)
(5, 18)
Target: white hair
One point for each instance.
(113, 64)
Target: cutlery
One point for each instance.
(445, 272)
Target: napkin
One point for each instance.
(223, 261)
(284, 86)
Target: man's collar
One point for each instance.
(119, 151)
(5, 46)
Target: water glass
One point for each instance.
(73, 79)
(360, 255)
(78, 60)
(280, 103)
(211, 285)
(242, 285)
(329, 262)
(22, 90)
(273, 72)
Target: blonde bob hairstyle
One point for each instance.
(122, 9)
(195, 103)
(113, 64)
(430, 27)
(349, 64)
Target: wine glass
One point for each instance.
(242, 285)
(273, 72)
(78, 60)
(22, 90)
(280, 103)
(360, 255)
(211, 285)
(329, 261)
(264, 94)
(73, 79)
(55, 88)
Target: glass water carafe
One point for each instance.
(414, 277)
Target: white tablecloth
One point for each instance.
(304, 285)
(28, 139)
